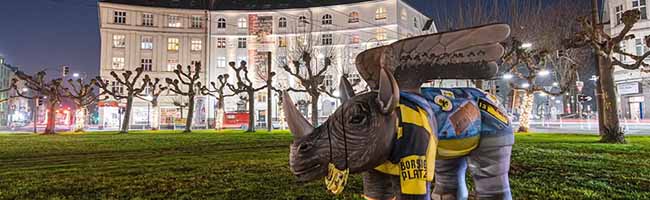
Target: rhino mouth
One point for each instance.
(310, 173)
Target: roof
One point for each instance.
(234, 4)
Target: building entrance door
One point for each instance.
(636, 110)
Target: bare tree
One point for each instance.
(151, 94)
(83, 95)
(52, 90)
(244, 85)
(187, 84)
(218, 91)
(131, 85)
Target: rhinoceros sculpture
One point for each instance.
(400, 135)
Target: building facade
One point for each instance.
(159, 35)
(633, 86)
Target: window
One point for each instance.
(327, 39)
(242, 23)
(241, 43)
(146, 64)
(119, 17)
(146, 42)
(221, 62)
(174, 21)
(619, 14)
(641, 6)
(118, 63)
(329, 81)
(147, 19)
(221, 23)
(354, 78)
(194, 63)
(116, 87)
(119, 41)
(355, 39)
(327, 19)
(353, 17)
(242, 58)
(638, 43)
(196, 45)
(282, 22)
(381, 34)
(404, 15)
(302, 20)
(380, 13)
(197, 22)
(173, 44)
(221, 42)
(172, 64)
(282, 42)
(415, 22)
(622, 57)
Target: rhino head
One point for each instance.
(366, 123)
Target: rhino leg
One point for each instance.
(450, 179)
(489, 165)
(379, 186)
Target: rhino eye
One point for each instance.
(357, 119)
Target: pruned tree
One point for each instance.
(83, 95)
(244, 85)
(153, 90)
(606, 47)
(52, 90)
(218, 91)
(131, 84)
(187, 83)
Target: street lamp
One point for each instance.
(25, 89)
(76, 75)
(555, 84)
(507, 76)
(543, 72)
(527, 45)
(525, 85)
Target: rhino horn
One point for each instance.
(346, 90)
(388, 96)
(298, 125)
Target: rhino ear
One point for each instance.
(345, 89)
(298, 125)
(388, 96)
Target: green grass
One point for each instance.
(236, 165)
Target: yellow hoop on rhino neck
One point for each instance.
(336, 179)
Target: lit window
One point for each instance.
(197, 45)
(355, 39)
(146, 64)
(171, 64)
(197, 22)
(221, 42)
(119, 17)
(118, 63)
(119, 41)
(327, 19)
(282, 22)
(221, 23)
(174, 21)
(242, 23)
(353, 17)
(302, 20)
(381, 34)
(147, 19)
(404, 15)
(282, 42)
(380, 13)
(327, 39)
(241, 43)
(641, 6)
(221, 62)
(147, 42)
(173, 44)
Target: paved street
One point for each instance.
(632, 127)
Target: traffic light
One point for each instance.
(65, 71)
(39, 101)
(497, 89)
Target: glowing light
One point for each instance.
(542, 94)
(75, 75)
(543, 72)
(526, 107)
(507, 76)
(527, 45)
(555, 84)
(25, 89)
(337, 93)
(525, 85)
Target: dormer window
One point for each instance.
(353, 17)
(380, 13)
(221, 23)
(327, 19)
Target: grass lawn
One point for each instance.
(235, 165)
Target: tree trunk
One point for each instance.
(80, 119)
(155, 116)
(127, 115)
(251, 111)
(478, 84)
(218, 117)
(526, 109)
(314, 109)
(611, 132)
(50, 127)
(190, 115)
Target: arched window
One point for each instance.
(353, 17)
(302, 20)
(221, 23)
(241, 23)
(327, 19)
(380, 13)
(282, 22)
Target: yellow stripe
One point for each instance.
(418, 118)
(457, 147)
(388, 168)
